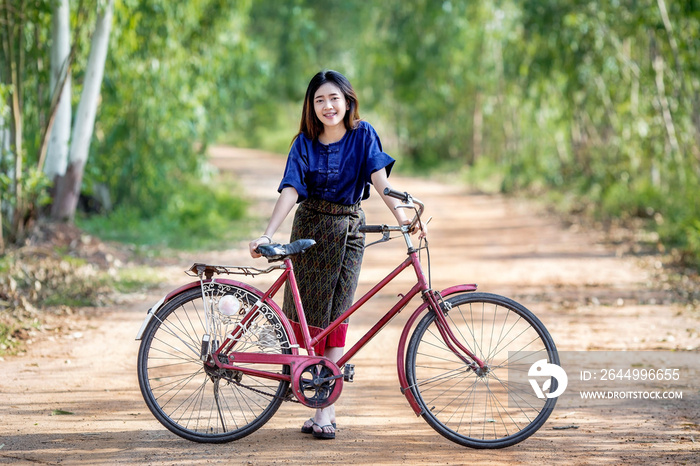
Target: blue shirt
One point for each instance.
(339, 172)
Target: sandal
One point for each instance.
(324, 435)
(310, 429)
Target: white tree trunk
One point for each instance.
(87, 109)
(68, 185)
(57, 152)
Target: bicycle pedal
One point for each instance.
(349, 372)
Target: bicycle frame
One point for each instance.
(206, 390)
(431, 301)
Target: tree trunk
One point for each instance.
(68, 185)
(679, 82)
(674, 150)
(478, 130)
(14, 55)
(57, 152)
(4, 149)
(68, 192)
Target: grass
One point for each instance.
(671, 217)
(136, 278)
(78, 285)
(8, 344)
(199, 216)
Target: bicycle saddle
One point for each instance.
(278, 252)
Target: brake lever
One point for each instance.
(405, 206)
(386, 236)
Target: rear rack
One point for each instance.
(208, 270)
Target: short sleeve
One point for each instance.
(297, 168)
(376, 157)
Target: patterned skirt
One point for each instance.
(328, 273)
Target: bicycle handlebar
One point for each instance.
(372, 228)
(409, 202)
(402, 196)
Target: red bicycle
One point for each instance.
(218, 356)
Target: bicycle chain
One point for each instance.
(286, 397)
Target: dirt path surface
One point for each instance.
(589, 295)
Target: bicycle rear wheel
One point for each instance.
(481, 408)
(199, 401)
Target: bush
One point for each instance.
(40, 279)
(198, 215)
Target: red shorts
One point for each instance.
(336, 339)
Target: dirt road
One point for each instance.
(589, 295)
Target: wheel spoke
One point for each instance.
(479, 407)
(203, 402)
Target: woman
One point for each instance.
(331, 163)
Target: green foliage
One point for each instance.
(198, 215)
(34, 187)
(617, 78)
(8, 343)
(38, 280)
(594, 101)
(136, 279)
(692, 232)
(179, 73)
(43, 280)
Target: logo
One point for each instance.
(543, 369)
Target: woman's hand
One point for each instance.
(380, 182)
(264, 239)
(418, 227)
(423, 228)
(288, 197)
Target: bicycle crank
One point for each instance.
(317, 383)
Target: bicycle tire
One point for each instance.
(481, 411)
(194, 400)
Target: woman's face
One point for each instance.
(330, 105)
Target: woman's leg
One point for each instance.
(325, 418)
(343, 294)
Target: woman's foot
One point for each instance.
(308, 426)
(324, 432)
(322, 422)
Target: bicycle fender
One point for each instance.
(401, 352)
(152, 311)
(148, 318)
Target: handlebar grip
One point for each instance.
(396, 194)
(372, 229)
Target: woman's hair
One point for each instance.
(310, 125)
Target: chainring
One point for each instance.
(317, 382)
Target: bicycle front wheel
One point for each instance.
(198, 400)
(487, 407)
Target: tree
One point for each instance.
(68, 184)
(14, 16)
(30, 148)
(58, 144)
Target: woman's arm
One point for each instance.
(288, 197)
(380, 182)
